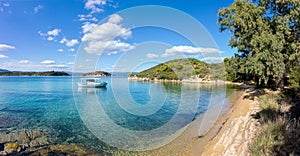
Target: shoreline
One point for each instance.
(232, 132)
(185, 81)
(189, 143)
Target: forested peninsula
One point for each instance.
(47, 73)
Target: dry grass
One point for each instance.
(278, 135)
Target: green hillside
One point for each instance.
(179, 69)
(97, 73)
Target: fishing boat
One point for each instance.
(91, 83)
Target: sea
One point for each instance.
(123, 116)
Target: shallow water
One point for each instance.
(101, 118)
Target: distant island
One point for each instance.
(97, 73)
(4, 72)
(185, 69)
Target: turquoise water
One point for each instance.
(55, 105)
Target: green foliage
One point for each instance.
(266, 34)
(294, 79)
(217, 71)
(235, 69)
(177, 69)
(97, 73)
(47, 73)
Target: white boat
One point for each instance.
(92, 83)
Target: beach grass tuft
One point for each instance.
(278, 134)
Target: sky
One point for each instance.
(110, 35)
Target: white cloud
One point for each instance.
(61, 66)
(70, 63)
(64, 40)
(115, 18)
(4, 47)
(38, 8)
(41, 34)
(189, 50)
(60, 50)
(111, 47)
(50, 35)
(54, 32)
(3, 6)
(106, 32)
(6, 4)
(95, 5)
(69, 43)
(88, 17)
(71, 49)
(150, 55)
(87, 27)
(48, 62)
(72, 43)
(3, 56)
(24, 62)
(50, 38)
(103, 37)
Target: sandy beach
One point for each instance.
(230, 135)
(233, 131)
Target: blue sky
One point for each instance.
(43, 35)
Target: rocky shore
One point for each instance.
(35, 142)
(191, 80)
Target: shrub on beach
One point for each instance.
(278, 135)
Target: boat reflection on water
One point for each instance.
(91, 91)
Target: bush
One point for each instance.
(294, 79)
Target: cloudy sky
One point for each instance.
(54, 34)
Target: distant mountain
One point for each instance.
(4, 71)
(47, 73)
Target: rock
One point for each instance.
(10, 148)
(36, 142)
(25, 138)
(33, 134)
(6, 137)
(69, 149)
(3, 153)
(39, 142)
(61, 150)
(7, 120)
(21, 137)
(14, 136)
